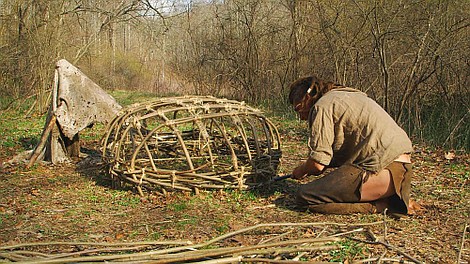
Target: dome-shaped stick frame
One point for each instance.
(191, 143)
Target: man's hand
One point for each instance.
(299, 172)
(309, 167)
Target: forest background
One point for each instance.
(411, 56)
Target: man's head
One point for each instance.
(305, 92)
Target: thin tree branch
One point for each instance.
(462, 243)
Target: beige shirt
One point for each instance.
(347, 127)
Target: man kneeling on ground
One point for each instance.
(352, 133)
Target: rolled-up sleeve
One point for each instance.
(322, 135)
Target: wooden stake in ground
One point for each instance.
(42, 142)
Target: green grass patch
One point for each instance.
(178, 206)
(349, 251)
(18, 133)
(459, 171)
(187, 220)
(34, 203)
(155, 236)
(134, 234)
(241, 196)
(222, 226)
(95, 133)
(3, 218)
(128, 201)
(126, 98)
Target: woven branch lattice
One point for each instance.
(191, 143)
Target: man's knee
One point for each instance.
(305, 197)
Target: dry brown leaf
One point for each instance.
(449, 155)
(34, 192)
(119, 236)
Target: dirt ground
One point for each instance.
(75, 203)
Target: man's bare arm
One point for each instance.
(309, 167)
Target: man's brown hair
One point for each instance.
(312, 84)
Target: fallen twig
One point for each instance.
(221, 261)
(12, 256)
(266, 260)
(59, 243)
(348, 232)
(243, 252)
(385, 225)
(286, 248)
(389, 246)
(462, 243)
(382, 259)
(274, 238)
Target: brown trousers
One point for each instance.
(339, 192)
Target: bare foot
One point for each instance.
(415, 208)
